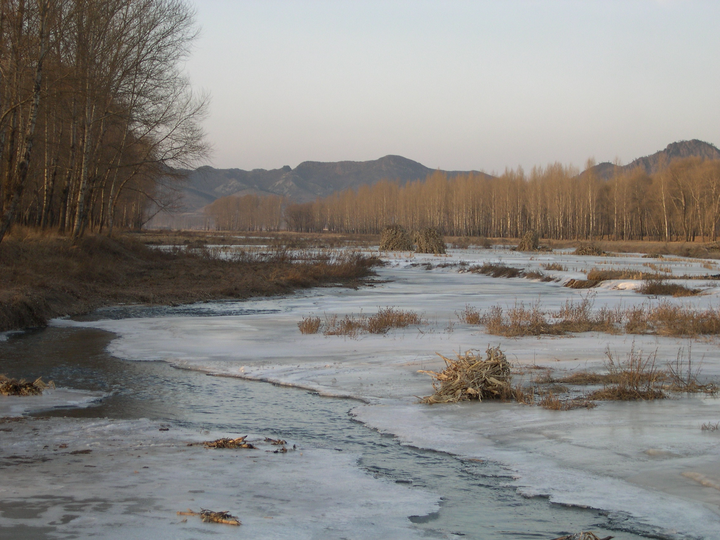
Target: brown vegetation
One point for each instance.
(208, 516)
(230, 443)
(428, 240)
(41, 278)
(589, 250)
(529, 242)
(471, 377)
(14, 387)
(573, 317)
(353, 325)
(395, 238)
(659, 287)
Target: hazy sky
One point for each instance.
(456, 84)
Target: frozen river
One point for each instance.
(122, 466)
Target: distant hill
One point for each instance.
(306, 182)
(655, 162)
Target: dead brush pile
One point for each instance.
(354, 325)
(14, 387)
(208, 516)
(471, 377)
(590, 250)
(395, 238)
(230, 443)
(430, 241)
(529, 242)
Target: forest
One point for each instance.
(95, 111)
(680, 202)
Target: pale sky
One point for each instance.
(455, 84)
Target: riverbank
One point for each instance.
(47, 277)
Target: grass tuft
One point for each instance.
(659, 287)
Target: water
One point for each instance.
(476, 498)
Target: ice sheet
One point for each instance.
(111, 479)
(648, 459)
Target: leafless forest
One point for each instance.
(93, 110)
(681, 202)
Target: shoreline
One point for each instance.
(47, 278)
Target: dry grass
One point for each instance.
(354, 325)
(684, 377)
(554, 403)
(635, 378)
(533, 321)
(496, 270)
(309, 325)
(14, 387)
(659, 287)
(471, 377)
(554, 267)
(50, 277)
(709, 426)
(470, 315)
(596, 274)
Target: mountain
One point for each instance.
(306, 182)
(658, 160)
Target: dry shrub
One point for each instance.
(496, 270)
(395, 238)
(470, 315)
(529, 242)
(659, 287)
(554, 266)
(589, 250)
(354, 325)
(346, 326)
(14, 387)
(309, 325)
(430, 241)
(581, 283)
(684, 377)
(672, 320)
(709, 426)
(389, 317)
(596, 274)
(636, 378)
(532, 321)
(471, 377)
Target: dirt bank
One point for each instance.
(42, 278)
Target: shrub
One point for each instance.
(635, 378)
(590, 250)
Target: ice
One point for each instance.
(57, 398)
(649, 460)
(111, 479)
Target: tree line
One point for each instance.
(94, 111)
(681, 202)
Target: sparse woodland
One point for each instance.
(681, 202)
(93, 111)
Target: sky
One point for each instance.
(455, 84)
